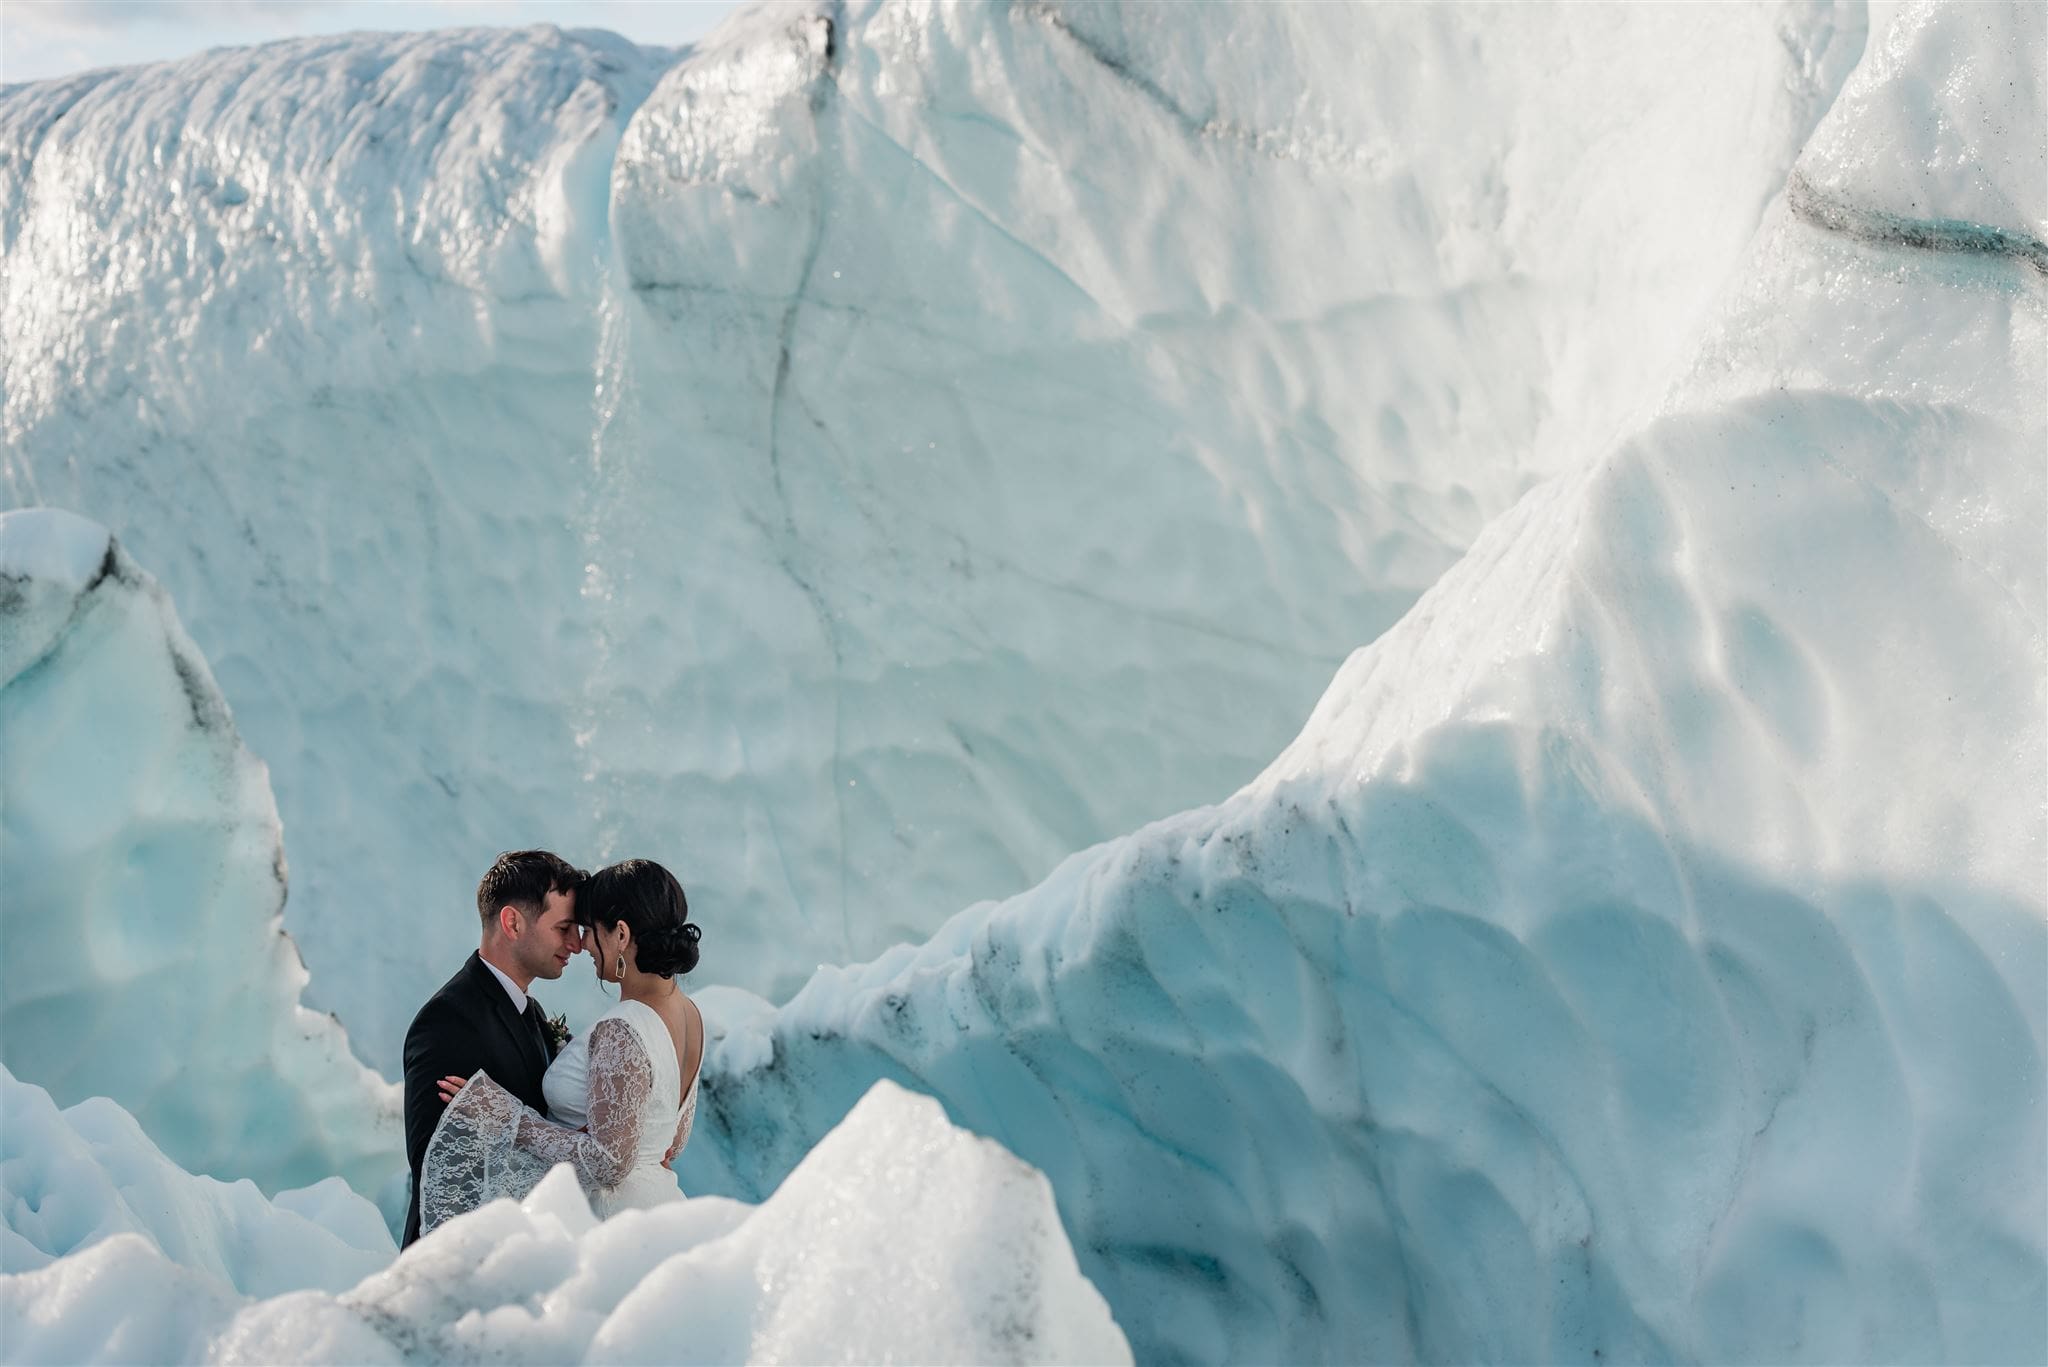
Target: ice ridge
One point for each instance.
(899, 1238)
(1951, 148)
(144, 881)
(1640, 954)
(75, 1178)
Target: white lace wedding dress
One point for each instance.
(621, 1083)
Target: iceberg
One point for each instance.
(899, 1238)
(863, 458)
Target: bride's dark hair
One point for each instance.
(650, 901)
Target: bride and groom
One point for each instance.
(496, 1094)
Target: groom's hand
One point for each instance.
(449, 1086)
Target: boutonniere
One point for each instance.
(557, 1028)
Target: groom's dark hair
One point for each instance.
(524, 878)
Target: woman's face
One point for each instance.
(607, 946)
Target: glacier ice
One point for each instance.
(1939, 165)
(1640, 954)
(319, 312)
(899, 1238)
(988, 426)
(76, 1178)
(141, 884)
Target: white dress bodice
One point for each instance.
(567, 1087)
(570, 1101)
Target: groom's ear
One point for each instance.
(510, 922)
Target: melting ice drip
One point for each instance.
(610, 526)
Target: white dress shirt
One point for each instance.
(512, 989)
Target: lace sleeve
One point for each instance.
(488, 1145)
(471, 1159)
(621, 1078)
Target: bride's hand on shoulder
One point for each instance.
(449, 1087)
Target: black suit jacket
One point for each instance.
(467, 1025)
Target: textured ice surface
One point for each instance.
(75, 1178)
(998, 422)
(322, 313)
(141, 881)
(1935, 145)
(1641, 952)
(899, 1239)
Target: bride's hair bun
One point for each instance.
(650, 901)
(669, 950)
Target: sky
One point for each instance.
(42, 38)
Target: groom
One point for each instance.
(482, 1017)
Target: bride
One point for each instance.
(620, 1099)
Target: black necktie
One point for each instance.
(536, 1023)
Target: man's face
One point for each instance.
(551, 938)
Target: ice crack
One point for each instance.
(1823, 210)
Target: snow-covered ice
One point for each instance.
(142, 880)
(75, 1178)
(867, 457)
(898, 1239)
